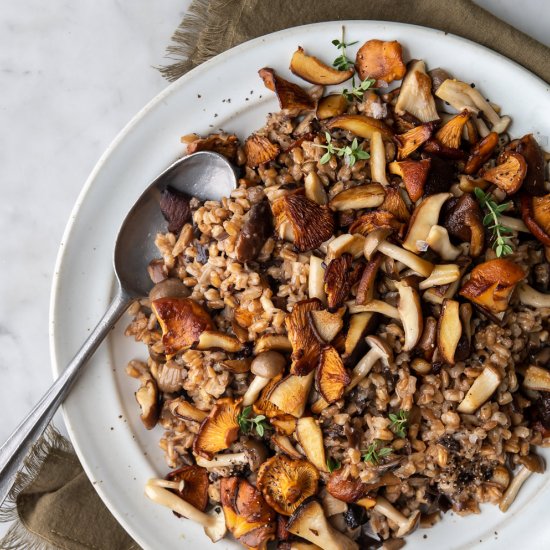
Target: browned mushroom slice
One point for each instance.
(247, 515)
(311, 223)
(449, 330)
(315, 71)
(481, 390)
(290, 95)
(310, 437)
(175, 208)
(291, 393)
(268, 342)
(265, 366)
(236, 366)
(338, 281)
(533, 184)
(481, 153)
(192, 485)
(359, 197)
(359, 325)
(410, 312)
(184, 410)
(508, 175)
(225, 144)
(365, 289)
(305, 345)
(463, 219)
(411, 140)
(259, 150)
(214, 339)
(257, 228)
(286, 483)
(428, 340)
(395, 204)
(283, 443)
(147, 397)
(491, 284)
(424, 217)
(331, 106)
(435, 147)
(360, 125)
(536, 378)
(413, 173)
(450, 134)
(345, 243)
(535, 212)
(316, 279)
(415, 95)
(346, 489)
(331, 375)
(380, 60)
(284, 424)
(263, 405)
(219, 429)
(375, 220)
(310, 523)
(182, 321)
(314, 189)
(326, 324)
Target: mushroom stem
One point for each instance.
(513, 223)
(405, 524)
(214, 526)
(515, 485)
(223, 461)
(378, 159)
(410, 259)
(438, 240)
(176, 485)
(531, 297)
(253, 391)
(363, 368)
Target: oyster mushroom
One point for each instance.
(449, 330)
(286, 483)
(326, 324)
(309, 522)
(369, 195)
(147, 397)
(535, 212)
(531, 297)
(184, 410)
(438, 240)
(405, 525)
(414, 174)
(359, 324)
(366, 286)
(481, 390)
(331, 375)
(315, 71)
(214, 523)
(291, 393)
(491, 284)
(252, 455)
(338, 280)
(410, 313)
(219, 429)
(379, 350)
(462, 96)
(360, 125)
(314, 189)
(247, 515)
(265, 366)
(290, 95)
(182, 321)
(310, 437)
(283, 443)
(531, 464)
(415, 96)
(378, 159)
(380, 60)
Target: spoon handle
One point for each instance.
(16, 448)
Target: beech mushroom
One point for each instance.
(345, 244)
(310, 523)
(316, 279)
(410, 312)
(265, 366)
(405, 525)
(267, 342)
(286, 483)
(438, 240)
(213, 523)
(441, 275)
(369, 195)
(481, 390)
(214, 339)
(535, 465)
(184, 410)
(358, 326)
(253, 456)
(310, 437)
(379, 349)
(378, 159)
(375, 306)
(415, 96)
(169, 288)
(462, 96)
(531, 297)
(247, 515)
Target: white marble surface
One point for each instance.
(72, 73)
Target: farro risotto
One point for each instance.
(356, 340)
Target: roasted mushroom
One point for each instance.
(264, 366)
(247, 515)
(463, 220)
(530, 150)
(291, 393)
(481, 390)
(509, 174)
(175, 208)
(331, 377)
(369, 195)
(415, 96)
(379, 350)
(411, 140)
(404, 525)
(535, 212)
(290, 95)
(331, 106)
(380, 60)
(413, 173)
(338, 280)
(259, 150)
(191, 484)
(219, 429)
(316, 279)
(182, 321)
(286, 483)
(450, 134)
(257, 228)
(310, 437)
(410, 312)
(535, 465)
(481, 153)
(147, 397)
(360, 125)
(325, 324)
(449, 330)
(315, 71)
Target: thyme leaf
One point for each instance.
(399, 423)
(248, 424)
(375, 452)
(350, 153)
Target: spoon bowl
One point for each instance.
(205, 175)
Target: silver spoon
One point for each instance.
(205, 175)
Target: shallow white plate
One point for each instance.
(226, 92)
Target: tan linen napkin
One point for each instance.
(54, 505)
(213, 26)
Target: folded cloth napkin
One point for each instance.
(53, 503)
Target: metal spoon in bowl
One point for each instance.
(204, 175)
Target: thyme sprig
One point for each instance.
(342, 62)
(357, 92)
(351, 153)
(375, 452)
(248, 424)
(399, 423)
(501, 241)
(333, 464)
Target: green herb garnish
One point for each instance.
(350, 153)
(375, 452)
(357, 91)
(333, 464)
(399, 423)
(501, 241)
(342, 63)
(248, 424)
